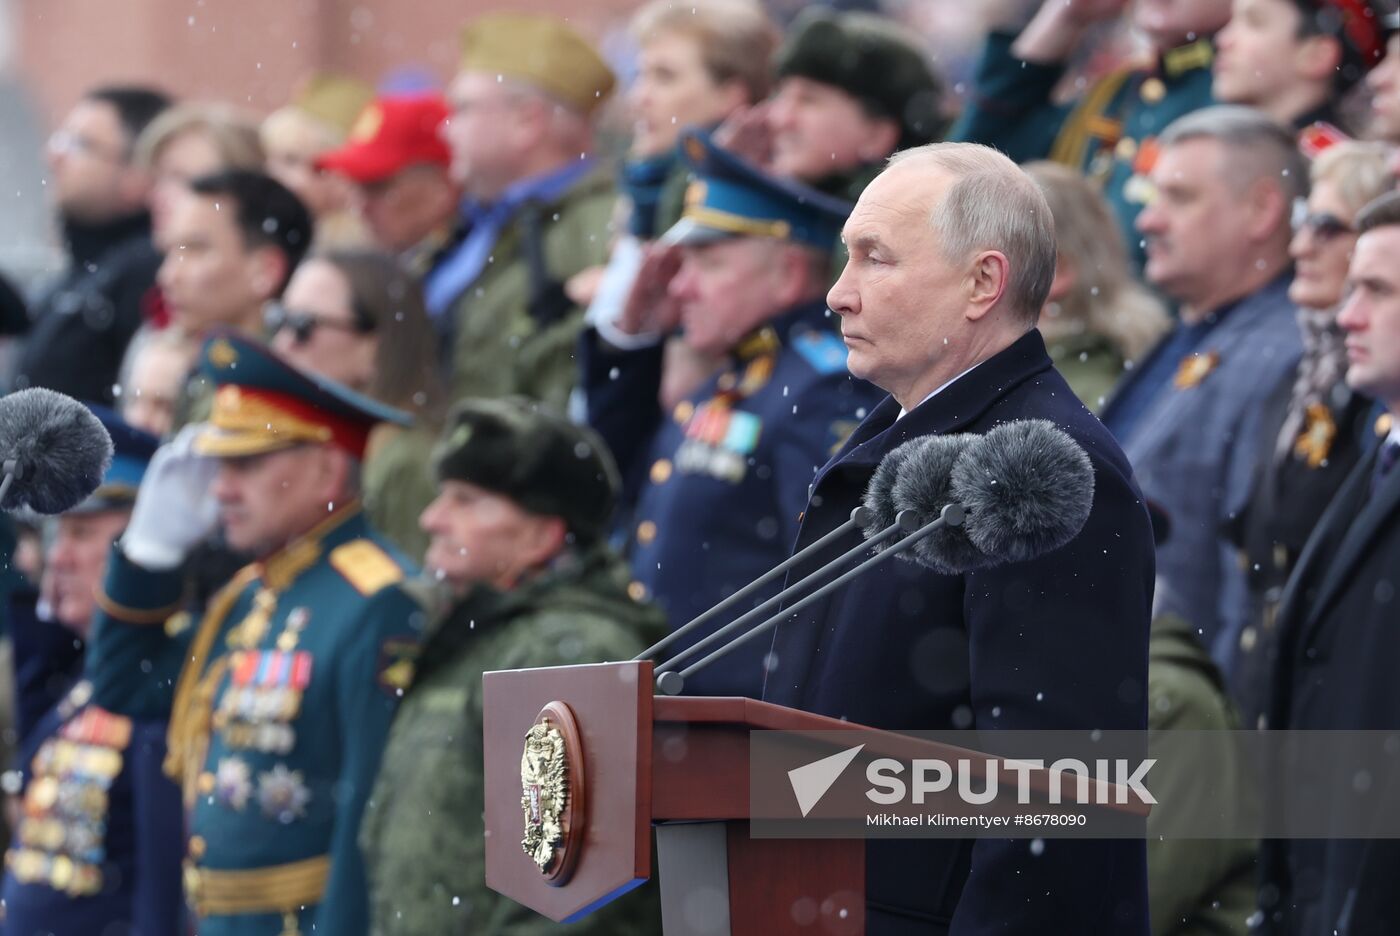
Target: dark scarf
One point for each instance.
(1323, 365)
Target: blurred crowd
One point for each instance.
(584, 379)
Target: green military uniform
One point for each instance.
(423, 830)
(1109, 132)
(423, 834)
(1090, 364)
(398, 484)
(1196, 887)
(284, 689)
(514, 332)
(498, 294)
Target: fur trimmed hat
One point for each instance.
(543, 462)
(875, 61)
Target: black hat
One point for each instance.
(872, 59)
(543, 462)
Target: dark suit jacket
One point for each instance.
(1335, 670)
(1059, 642)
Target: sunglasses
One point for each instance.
(1322, 225)
(303, 325)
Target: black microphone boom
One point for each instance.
(53, 451)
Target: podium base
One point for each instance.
(782, 885)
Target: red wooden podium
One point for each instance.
(630, 761)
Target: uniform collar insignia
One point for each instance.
(1177, 62)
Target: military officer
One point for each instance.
(523, 577)
(284, 689)
(1110, 130)
(718, 483)
(98, 844)
(536, 207)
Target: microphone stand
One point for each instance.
(858, 516)
(672, 682)
(13, 470)
(903, 523)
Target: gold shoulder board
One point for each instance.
(365, 566)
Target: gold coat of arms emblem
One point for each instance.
(551, 791)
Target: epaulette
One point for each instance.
(821, 349)
(366, 566)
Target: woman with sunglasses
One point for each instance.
(357, 317)
(1315, 428)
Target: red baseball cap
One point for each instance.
(392, 134)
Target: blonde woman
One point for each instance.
(1314, 428)
(1098, 318)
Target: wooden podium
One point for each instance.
(680, 763)
(630, 761)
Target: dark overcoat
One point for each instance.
(1057, 642)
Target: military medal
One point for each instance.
(1194, 369)
(233, 783)
(1153, 90)
(282, 794)
(1315, 440)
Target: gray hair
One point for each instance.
(993, 205)
(1259, 146)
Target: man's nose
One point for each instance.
(843, 298)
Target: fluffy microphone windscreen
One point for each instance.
(59, 448)
(924, 485)
(1028, 489)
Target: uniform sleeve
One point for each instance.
(387, 631)
(1010, 105)
(1060, 642)
(159, 907)
(131, 660)
(47, 657)
(1241, 459)
(1182, 873)
(622, 390)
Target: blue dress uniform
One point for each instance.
(98, 845)
(1109, 132)
(718, 485)
(289, 682)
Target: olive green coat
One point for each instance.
(398, 484)
(423, 831)
(1196, 887)
(1090, 364)
(499, 346)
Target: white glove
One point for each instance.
(174, 510)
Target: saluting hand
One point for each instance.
(174, 508)
(650, 309)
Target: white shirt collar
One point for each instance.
(905, 412)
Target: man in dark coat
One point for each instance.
(1337, 635)
(952, 254)
(84, 319)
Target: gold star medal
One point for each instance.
(1314, 442)
(1195, 369)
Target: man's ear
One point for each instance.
(546, 539)
(881, 138)
(333, 469)
(1066, 276)
(1319, 57)
(987, 282)
(269, 271)
(1269, 208)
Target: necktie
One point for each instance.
(1386, 460)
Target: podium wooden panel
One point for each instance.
(680, 764)
(683, 764)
